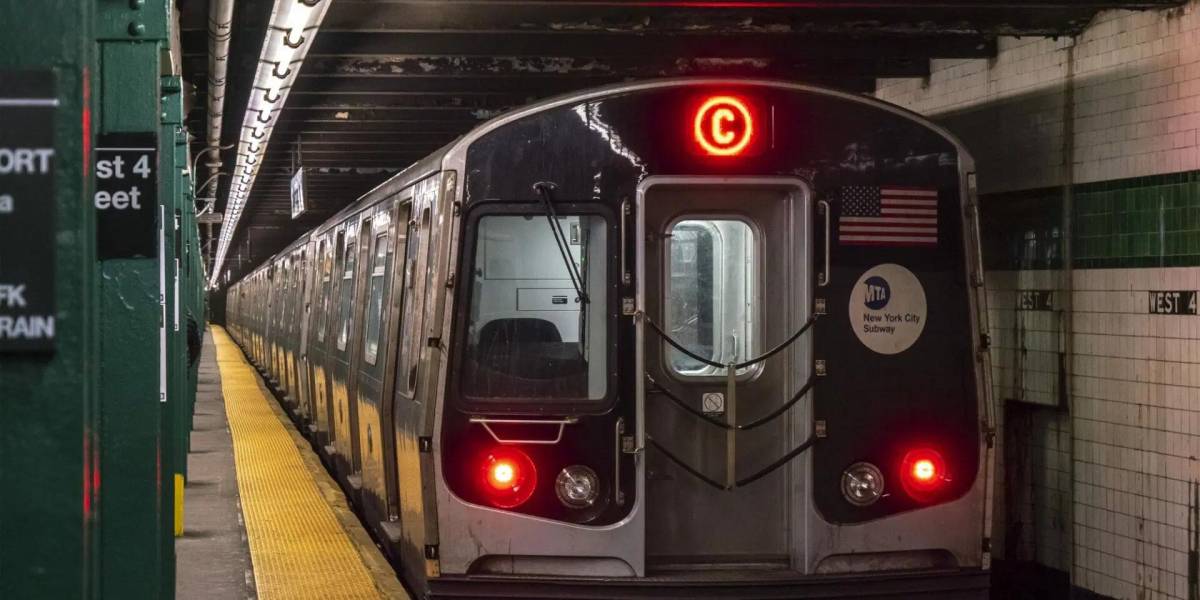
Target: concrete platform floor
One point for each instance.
(262, 517)
(212, 558)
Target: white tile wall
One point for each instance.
(1134, 422)
(1136, 101)
(1110, 476)
(1136, 418)
(1025, 366)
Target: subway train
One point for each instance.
(679, 338)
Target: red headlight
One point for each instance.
(508, 477)
(923, 472)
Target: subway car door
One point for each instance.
(312, 353)
(345, 440)
(303, 387)
(389, 357)
(354, 349)
(408, 409)
(296, 310)
(287, 347)
(372, 433)
(322, 351)
(724, 274)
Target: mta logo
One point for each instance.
(878, 293)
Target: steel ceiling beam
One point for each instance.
(519, 43)
(387, 81)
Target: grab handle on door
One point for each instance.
(626, 277)
(823, 207)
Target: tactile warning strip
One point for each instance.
(298, 548)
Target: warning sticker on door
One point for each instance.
(887, 308)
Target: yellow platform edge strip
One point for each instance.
(304, 541)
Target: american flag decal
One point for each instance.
(888, 216)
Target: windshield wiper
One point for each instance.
(545, 190)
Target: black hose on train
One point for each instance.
(767, 470)
(746, 363)
(797, 451)
(659, 389)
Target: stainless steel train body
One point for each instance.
(681, 338)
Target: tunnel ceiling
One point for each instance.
(388, 81)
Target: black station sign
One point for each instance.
(1035, 300)
(28, 103)
(126, 198)
(297, 191)
(1181, 302)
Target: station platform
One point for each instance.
(262, 518)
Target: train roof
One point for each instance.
(455, 150)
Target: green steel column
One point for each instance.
(48, 412)
(166, 198)
(182, 209)
(170, 166)
(136, 563)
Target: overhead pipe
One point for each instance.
(220, 30)
(289, 35)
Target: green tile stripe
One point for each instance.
(1127, 223)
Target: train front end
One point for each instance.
(710, 337)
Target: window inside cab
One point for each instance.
(530, 336)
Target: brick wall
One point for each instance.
(1102, 455)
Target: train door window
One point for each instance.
(531, 335)
(347, 294)
(711, 306)
(326, 257)
(290, 298)
(297, 294)
(303, 270)
(303, 305)
(410, 320)
(294, 301)
(375, 299)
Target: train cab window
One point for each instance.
(347, 295)
(530, 336)
(711, 305)
(375, 299)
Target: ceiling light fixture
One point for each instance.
(293, 25)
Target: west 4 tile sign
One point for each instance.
(1179, 302)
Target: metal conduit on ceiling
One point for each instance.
(292, 28)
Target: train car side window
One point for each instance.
(375, 299)
(711, 306)
(347, 295)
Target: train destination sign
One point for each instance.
(126, 197)
(28, 158)
(1181, 302)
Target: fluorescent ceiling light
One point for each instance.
(289, 35)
